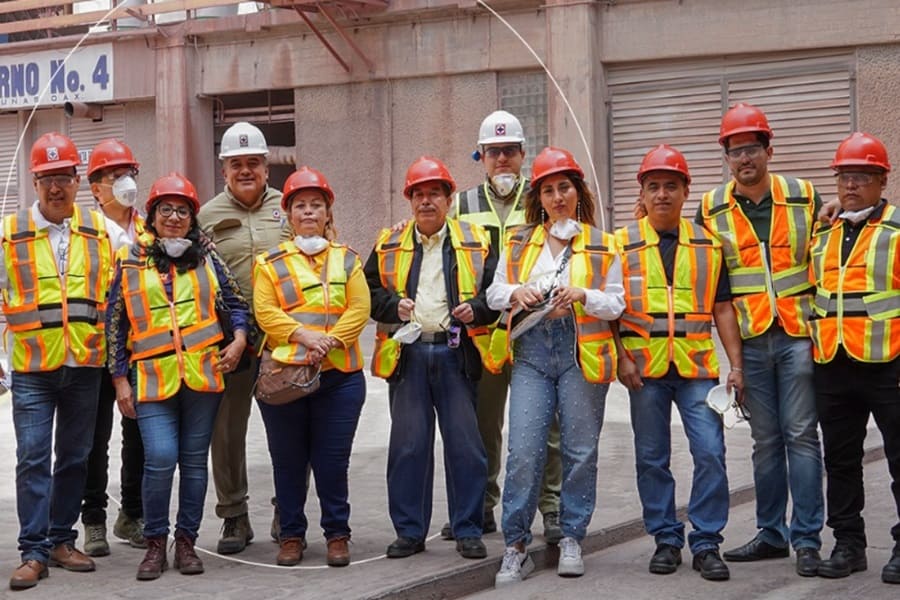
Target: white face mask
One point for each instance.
(175, 247)
(857, 216)
(565, 230)
(310, 245)
(409, 333)
(124, 190)
(504, 183)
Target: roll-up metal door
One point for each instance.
(807, 99)
(9, 167)
(86, 134)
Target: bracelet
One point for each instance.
(737, 369)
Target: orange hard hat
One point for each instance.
(53, 151)
(744, 118)
(173, 184)
(426, 168)
(861, 150)
(664, 158)
(305, 178)
(110, 153)
(551, 161)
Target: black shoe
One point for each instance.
(403, 547)
(844, 560)
(665, 560)
(891, 571)
(489, 525)
(808, 560)
(756, 549)
(471, 548)
(711, 566)
(552, 531)
(446, 532)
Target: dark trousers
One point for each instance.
(847, 392)
(93, 508)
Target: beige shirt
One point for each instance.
(432, 310)
(241, 233)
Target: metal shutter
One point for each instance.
(9, 167)
(86, 134)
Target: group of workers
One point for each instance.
(504, 290)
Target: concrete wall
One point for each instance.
(140, 135)
(878, 103)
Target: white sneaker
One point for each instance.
(570, 563)
(515, 567)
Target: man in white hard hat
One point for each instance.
(242, 221)
(497, 204)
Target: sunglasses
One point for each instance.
(507, 151)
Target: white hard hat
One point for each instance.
(501, 127)
(243, 139)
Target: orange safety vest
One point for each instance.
(665, 324)
(858, 304)
(764, 292)
(50, 315)
(593, 252)
(171, 341)
(315, 301)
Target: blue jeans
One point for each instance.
(778, 388)
(316, 431)
(547, 382)
(431, 381)
(48, 505)
(651, 414)
(176, 431)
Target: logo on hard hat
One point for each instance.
(243, 140)
(52, 153)
(500, 129)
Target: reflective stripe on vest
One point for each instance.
(395, 257)
(302, 296)
(783, 290)
(172, 341)
(52, 316)
(665, 324)
(857, 306)
(593, 252)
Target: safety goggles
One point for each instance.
(48, 181)
(751, 151)
(507, 151)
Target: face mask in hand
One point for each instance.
(310, 245)
(124, 190)
(504, 183)
(175, 247)
(409, 333)
(565, 230)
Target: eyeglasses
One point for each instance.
(166, 210)
(507, 151)
(752, 151)
(859, 178)
(48, 181)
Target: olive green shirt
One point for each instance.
(241, 233)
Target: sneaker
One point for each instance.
(95, 543)
(570, 562)
(552, 532)
(131, 530)
(515, 567)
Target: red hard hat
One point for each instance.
(53, 151)
(744, 118)
(110, 153)
(426, 168)
(861, 150)
(551, 161)
(173, 184)
(664, 158)
(305, 178)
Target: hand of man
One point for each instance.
(405, 309)
(464, 313)
(628, 373)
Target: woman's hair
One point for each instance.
(534, 211)
(191, 259)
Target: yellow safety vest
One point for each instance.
(302, 295)
(665, 324)
(858, 304)
(593, 252)
(51, 315)
(395, 256)
(171, 341)
(783, 290)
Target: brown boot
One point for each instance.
(186, 560)
(338, 552)
(154, 562)
(70, 558)
(291, 551)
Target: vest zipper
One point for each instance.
(670, 309)
(770, 284)
(176, 331)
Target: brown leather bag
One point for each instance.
(280, 383)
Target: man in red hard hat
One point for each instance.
(856, 345)
(764, 221)
(428, 284)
